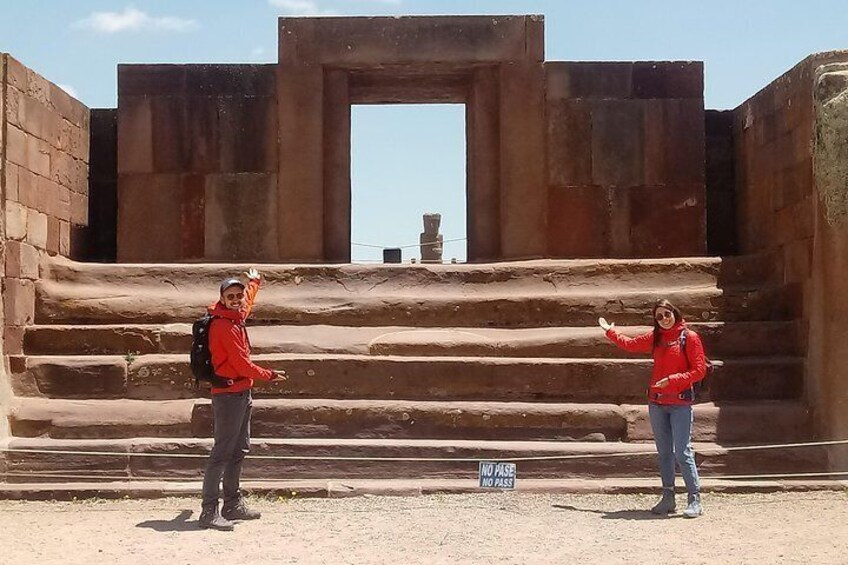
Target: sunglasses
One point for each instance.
(237, 296)
(660, 316)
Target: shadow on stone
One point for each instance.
(180, 523)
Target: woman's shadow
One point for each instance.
(616, 514)
(180, 523)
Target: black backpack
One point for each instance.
(695, 392)
(201, 356)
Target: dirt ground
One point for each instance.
(477, 528)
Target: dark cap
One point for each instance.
(230, 282)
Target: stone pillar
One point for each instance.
(431, 240)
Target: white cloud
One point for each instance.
(132, 19)
(69, 89)
(299, 7)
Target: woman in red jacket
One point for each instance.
(679, 363)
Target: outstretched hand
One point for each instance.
(606, 326)
(253, 274)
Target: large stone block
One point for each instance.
(149, 202)
(150, 80)
(16, 73)
(13, 340)
(229, 80)
(588, 80)
(28, 188)
(193, 217)
(674, 141)
(578, 222)
(18, 301)
(248, 134)
(667, 221)
(54, 228)
(569, 143)
(12, 180)
(135, 135)
(16, 220)
(38, 87)
(16, 146)
(171, 141)
(79, 209)
(15, 107)
(684, 79)
(241, 219)
(405, 40)
(21, 260)
(617, 142)
(36, 228)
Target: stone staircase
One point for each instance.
(450, 363)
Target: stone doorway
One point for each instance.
(492, 65)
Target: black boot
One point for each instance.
(666, 505)
(210, 518)
(238, 510)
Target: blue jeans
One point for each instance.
(672, 427)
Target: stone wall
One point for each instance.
(625, 146)
(44, 151)
(197, 160)
(828, 305)
(720, 182)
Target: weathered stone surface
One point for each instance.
(141, 198)
(578, 221)
(16, 221)
(403, 40)
(569, 143)
(36, 229)
(668, 79)
(241, 223)
(21, 260)
(79, 377)
(248, 134)
(135, 134)
(617, 142)
(18, 301)
(589, 80)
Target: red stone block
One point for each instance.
(668, 79)
(13, 340)
(674, 142)
(409, 39)
(143, 199)
(617, 142)
(192, 217)
(578, 222)
(667, 221)
(230, 80)
(588, 80)
(38, 87)
(247, 204)
(135, 135)
(797, 262)
(12, 186)
(36, 228)
(203, 133)
(139, 80)
(16, 73)
(569, 143)
(64, 238)
(248, 134)
(79, 209)
(18, 301)
(21, 260)
(171, 140)
(16, 146)
(15, 107)
(16, 220)
(54, 228)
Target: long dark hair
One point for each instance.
(663, 303)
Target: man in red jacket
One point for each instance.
(231, 406)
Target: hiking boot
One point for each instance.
(239, 511)
(666, 505)
(693, 508)
(210, 518)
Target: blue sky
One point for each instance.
(408, 160)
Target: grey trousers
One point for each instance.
(231, 413)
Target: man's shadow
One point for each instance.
(617, 514)
(180, 523)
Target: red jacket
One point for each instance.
(230, 346)
(682, 369)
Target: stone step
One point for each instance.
(532, 294)
(181, 458)
(368, 419)
(731, 339)
(398, 377)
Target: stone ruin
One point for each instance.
(117, 223)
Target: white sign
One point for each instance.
(497, 475)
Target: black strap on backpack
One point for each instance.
(201, 355)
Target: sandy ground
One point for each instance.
(478, 528)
